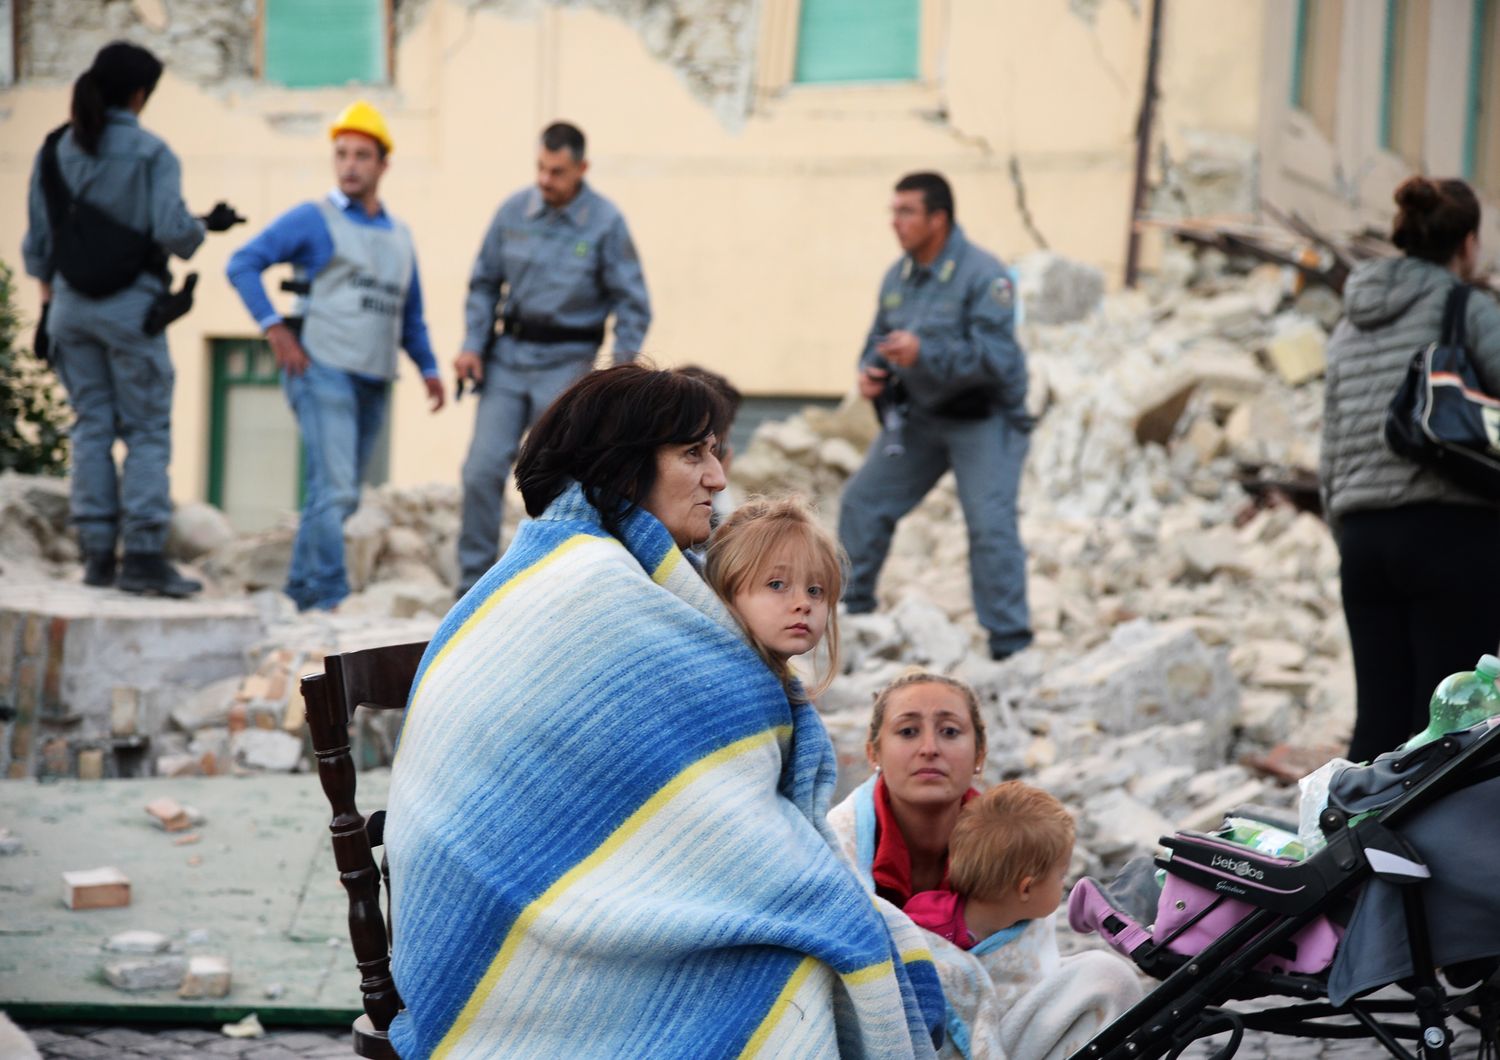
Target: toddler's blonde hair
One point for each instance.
(1006, 834)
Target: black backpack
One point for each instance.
(1440, 417)
(96, 254)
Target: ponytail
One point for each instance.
(88, 112)
(120, 70)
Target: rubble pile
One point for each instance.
(1185, 602)
(1184, 622)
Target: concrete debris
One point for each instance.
(197, 529)
(1056, 290)
(146, 973)
(271, 750)
(9, 844)
(138, 942)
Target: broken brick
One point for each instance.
(168, 814)
(101, 888)
(207, 976)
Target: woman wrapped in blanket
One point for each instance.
(1011, 996)
(606, 824)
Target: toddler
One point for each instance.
(781, 573)
(1007, 860)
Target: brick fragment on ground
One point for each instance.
(102, 888)
(207, 976)
(167, 813)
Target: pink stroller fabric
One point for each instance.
(1089, 910)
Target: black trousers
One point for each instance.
(1421, 588)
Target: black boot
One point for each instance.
(99, 569)
(150, 573)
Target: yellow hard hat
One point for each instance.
(362, 117)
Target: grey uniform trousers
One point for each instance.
(986, 457)
(509, 404)
(119, 382)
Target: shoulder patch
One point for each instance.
(891, 300)
(1003, 291)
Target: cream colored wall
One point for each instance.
(762, 243)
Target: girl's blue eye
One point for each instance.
(815, 591)
(776, 584)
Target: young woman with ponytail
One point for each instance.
(1418, 558)
(119, 379)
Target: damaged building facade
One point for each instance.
(751, 143)
(1356, 96)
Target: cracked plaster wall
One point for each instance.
(709, 43)
(202, 40)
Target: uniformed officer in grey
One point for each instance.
(556, 262)
(118, 378)
(949, 383)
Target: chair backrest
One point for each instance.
(381, 679)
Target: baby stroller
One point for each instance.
(1405, 892)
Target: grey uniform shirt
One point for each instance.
(569, 267)
(962, 308)
(136, 179)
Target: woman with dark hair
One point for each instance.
(101, 265)
(1418, 554)
(606, 821)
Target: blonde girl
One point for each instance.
(781, 573)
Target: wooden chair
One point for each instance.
(379, 678)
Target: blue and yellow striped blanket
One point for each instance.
(606, 829)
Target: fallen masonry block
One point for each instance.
(9, 844)
(101, 888)
(146, 973)
(207, 976)
(138, 942)
(169, 814)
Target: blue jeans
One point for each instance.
(339, 415)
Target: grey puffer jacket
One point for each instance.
(1392, 308)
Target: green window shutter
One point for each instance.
(324, 42)
(858, 40)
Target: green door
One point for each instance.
(254, 454)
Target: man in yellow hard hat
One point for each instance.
(361, 299)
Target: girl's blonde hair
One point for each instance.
(750, 539)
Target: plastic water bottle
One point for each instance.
(1462, 701)
(1262, 837)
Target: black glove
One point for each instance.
(221, 218)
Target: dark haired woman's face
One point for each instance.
(687, 477)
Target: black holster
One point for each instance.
(170, 305)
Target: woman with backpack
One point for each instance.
(105, 209)
(1418, 554)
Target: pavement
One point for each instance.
(70, 1042)
(258, 886)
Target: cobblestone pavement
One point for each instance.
(57, 1042)
(131, 1043)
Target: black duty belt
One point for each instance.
(550, 334)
